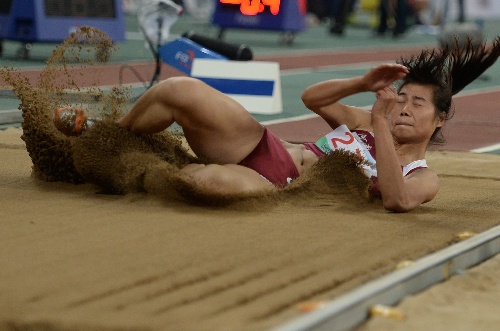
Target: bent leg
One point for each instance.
(215, 126)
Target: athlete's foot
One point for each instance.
(71, 121)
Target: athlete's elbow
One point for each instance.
(308, 99)
(397, 205)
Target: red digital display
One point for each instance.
(254, 7)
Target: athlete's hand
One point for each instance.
(386, 101)
(383, 76)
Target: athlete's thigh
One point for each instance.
(216, 126)
(226, 179)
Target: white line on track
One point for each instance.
(487, 149)
(332, 67)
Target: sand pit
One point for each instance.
(75, 258)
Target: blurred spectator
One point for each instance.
(437, 16)
(338, 11)
(440, 8)
(316, 8)
(461, 11)
(397, 9)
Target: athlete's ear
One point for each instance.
(440, 119)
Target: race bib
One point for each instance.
(343, 139)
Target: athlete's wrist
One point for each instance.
(380, 120)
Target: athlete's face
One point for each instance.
(414, 118)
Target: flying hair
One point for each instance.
(469, 62)
(453, 66)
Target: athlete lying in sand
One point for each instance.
(245, 156)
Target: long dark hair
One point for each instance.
(448, 71)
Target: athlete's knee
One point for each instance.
(178, 90)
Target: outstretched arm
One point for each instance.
(399, 193)
(322, 98)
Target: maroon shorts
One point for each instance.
(271, 160)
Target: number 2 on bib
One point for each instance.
(343, 141)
